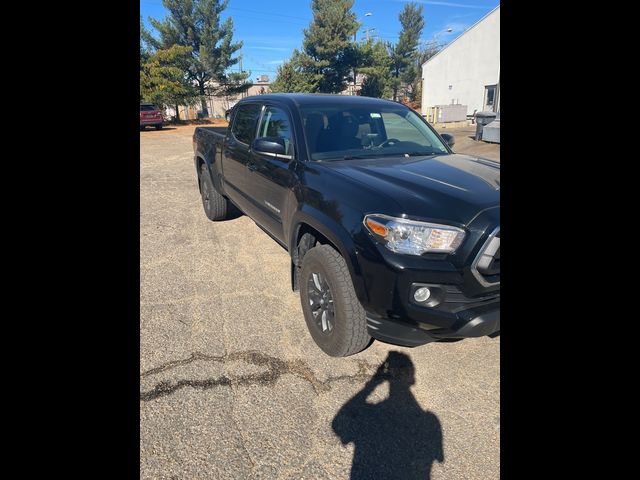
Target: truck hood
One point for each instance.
(453, 188)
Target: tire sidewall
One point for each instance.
(205, 185)
(334, 343)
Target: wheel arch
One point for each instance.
(324, 230)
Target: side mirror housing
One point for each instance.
(273, 146)
(451, 141)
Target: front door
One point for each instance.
(272, 178)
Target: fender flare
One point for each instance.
(336, 234)
(199, 156)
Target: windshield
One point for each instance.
(147, 108)
(336, 133)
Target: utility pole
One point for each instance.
(355, 75)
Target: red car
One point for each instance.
(150, 115)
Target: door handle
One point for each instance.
(252, 166)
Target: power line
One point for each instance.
(277, 17)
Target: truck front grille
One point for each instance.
(486, 266)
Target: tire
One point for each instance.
(142, 127)
(158, 127)
(343, 331)
(215, 205)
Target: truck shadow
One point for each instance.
(395, 438)
(233, 212)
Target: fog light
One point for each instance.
(422, 294)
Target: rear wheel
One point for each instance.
(334, 316)
(215, 205)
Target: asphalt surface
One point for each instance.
(465, 143)
(233, 387)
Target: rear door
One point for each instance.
(272, 178)
(236, 151)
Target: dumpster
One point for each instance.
(491, 132)
(482, 119)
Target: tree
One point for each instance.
(196, 24)
(403, 69)
(163, 78)
(328, 53)
(291, 77)
(375, 62)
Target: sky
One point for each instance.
(271, 29)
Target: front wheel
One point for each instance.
(334, 316)
(159, 127)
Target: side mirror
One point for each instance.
(273, 146)
(451, 141)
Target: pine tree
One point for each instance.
(403, 68)
(375, 62)
(291, 78)
(196, 24)
(327, 59)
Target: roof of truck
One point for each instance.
(301, 99)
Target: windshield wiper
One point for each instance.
(420, 154)
(368, 155)
(384, 154)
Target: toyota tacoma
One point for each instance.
(391, 234)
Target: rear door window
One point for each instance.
(244, 124)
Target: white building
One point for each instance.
(467, 70)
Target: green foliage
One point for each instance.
(163, 80)
(291, 78)
(328, 54)
(374, 61)
(403, 56)
(196, 24)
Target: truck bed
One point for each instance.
(216, 131)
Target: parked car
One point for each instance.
(391, 235)
(150, 115)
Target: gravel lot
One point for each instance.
(233, 387)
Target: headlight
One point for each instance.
(413, 237)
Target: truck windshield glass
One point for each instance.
(365, 132)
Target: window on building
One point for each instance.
(489, 95)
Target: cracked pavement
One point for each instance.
(231, 384)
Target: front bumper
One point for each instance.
(151, 121)
(466, 325)
(461, 307)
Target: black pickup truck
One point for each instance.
(391, 235)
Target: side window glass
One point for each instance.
(275, 123)
(244, 124)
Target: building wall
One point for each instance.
(218, 105)
(467, 64)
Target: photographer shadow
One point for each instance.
(395, 438)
